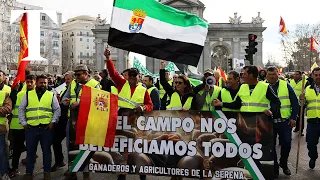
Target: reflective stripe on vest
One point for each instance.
(39, 112)
(297, 87)
(114, 90)
(175, 102)
(283, 94)
(313, 103)
(2, 98)
(226, 98)
(257, 101)
(207, 106)
(151, 89)
(137, 97)
(15, 122)
(6, 88)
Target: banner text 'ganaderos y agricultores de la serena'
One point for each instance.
(189, 144)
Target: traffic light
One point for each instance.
(251, 49)
(230, 64)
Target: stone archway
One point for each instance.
(219, 57)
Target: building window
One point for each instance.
(87, 46)
(8, 47)
(81, 54)
(88, 61)
(80, 33)
(42, 42)
(80, 39)
(43, 18)
(55, 68)
(87, 40)
(87, 33)
(42, 33)
(17, 49)
(17, 29)
(18, 39)
(56, 52)
(42, 50)
(81, 61)
(55, 44)
(87, 54)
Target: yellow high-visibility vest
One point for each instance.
(257, 101)
(39, 112)
(162, 92)
(3, 120)
(283, 95)
(15, 123)
(151, 89)
(137, 97)
(6, 88)
(226, 98)
(91, 83)
(175, 102)
(208, 103)
(313, 103)
(297, 87)
(114, 90)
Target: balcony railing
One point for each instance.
(85, 35)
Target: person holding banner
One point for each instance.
(288, 116)
(181, 97)
(131, 95)
(229, 93)
(312, 99)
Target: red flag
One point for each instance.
(282, 27)
(23, 51)
(97, 119)
(315, 44)
(222, 74)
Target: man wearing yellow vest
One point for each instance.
(206, 93)
(60, 127)
(38, 112)
(153, 91)
(134, 95)
(17, 132)
(312, 99)
(287, 118)
(163, 95)
(228, 94)
(3, 86)
(5, 109)
(296, 84)
(72, 97)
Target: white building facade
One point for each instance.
(78, 42)
(50, 41)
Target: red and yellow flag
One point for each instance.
(315, 44)
(222, 74)
(23, 51)
(282, 26)
(97, 119)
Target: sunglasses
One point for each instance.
(77, 75)
(178, 82)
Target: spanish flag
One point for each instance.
(222, 74)
(315, 44)
(97, 118)
(282, 26)
(23, 51)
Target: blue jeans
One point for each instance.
(33, 136)
(285, 132)
(313, 135)
(4, 161)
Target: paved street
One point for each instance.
(303, 173)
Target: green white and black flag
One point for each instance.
(150, 28)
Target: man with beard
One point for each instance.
(262, 75)
(38, 112)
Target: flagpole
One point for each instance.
(310, 54)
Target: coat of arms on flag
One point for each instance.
(101, 101)
(137, 20)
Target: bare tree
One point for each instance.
(296, 46)
(48, 51)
